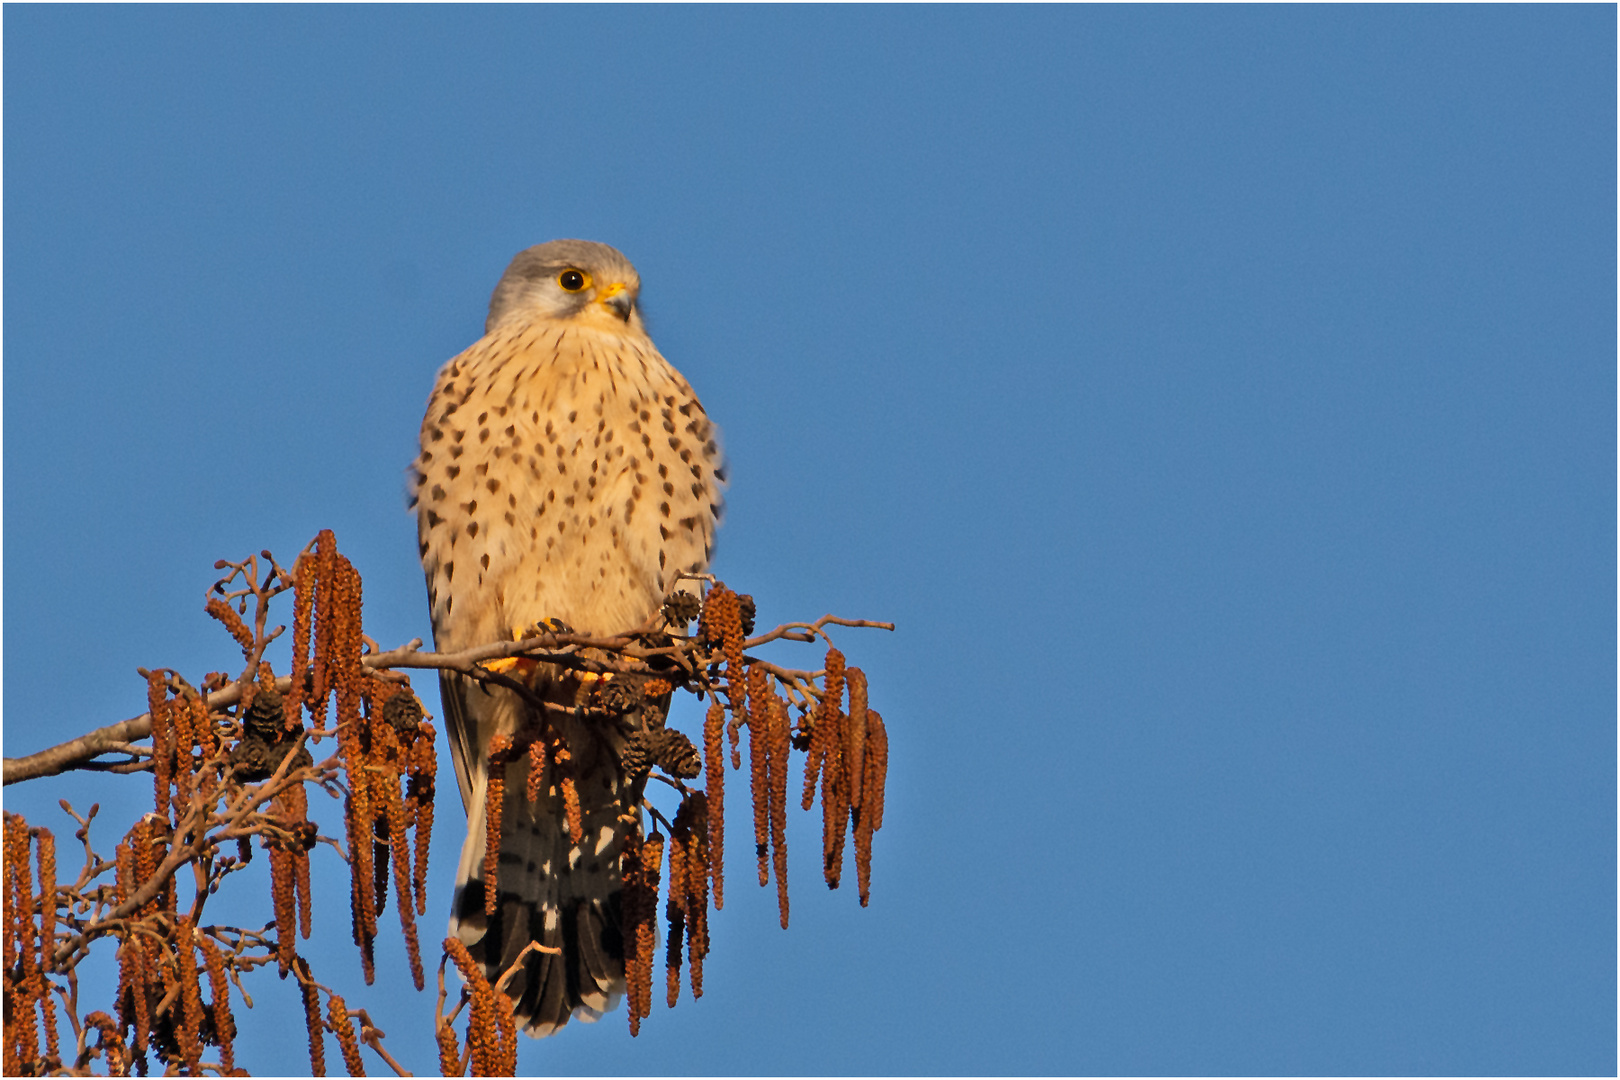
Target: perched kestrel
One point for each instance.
(567, 472)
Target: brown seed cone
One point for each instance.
(494, 805)
(673, 752)
(312, 1019)
(222, 610)
(337, 1019)
(714, 783)
(219, 992)
(188, 1032)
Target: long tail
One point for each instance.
(565, 896)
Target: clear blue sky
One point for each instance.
(1221, 400)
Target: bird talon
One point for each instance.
(509, 663)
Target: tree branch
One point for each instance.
(546, 647)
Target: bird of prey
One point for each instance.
(567, 472)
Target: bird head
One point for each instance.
(574, 280)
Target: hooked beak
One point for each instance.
(619, 300)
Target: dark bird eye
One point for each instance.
(572, 280)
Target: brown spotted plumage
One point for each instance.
(567, 472)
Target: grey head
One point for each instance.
(568, 279)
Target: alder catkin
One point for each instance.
(222, 610)
(20, 909)
(778, 745)
(869, 818)
(449, 1051)
(714, 781)
(284, 906)
(219, 990)
(47, 930)
(639, 862)
(482, 1044)
(296, 802)
(855, 736)
(505, 1059)
(696, 889)
(759, 768)
(675, 915)
(312, 1020)
(563, 763)
(337, 1019)
(157, 707)
(494, 806)
(424, 764)
(188, 1032)
(399, 846)
(533, 786)
(652, 858)
(325, 560)
(303, 602)
(877, 765)
(829, 733)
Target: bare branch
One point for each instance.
(549, 647)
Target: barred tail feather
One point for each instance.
(564, 896)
